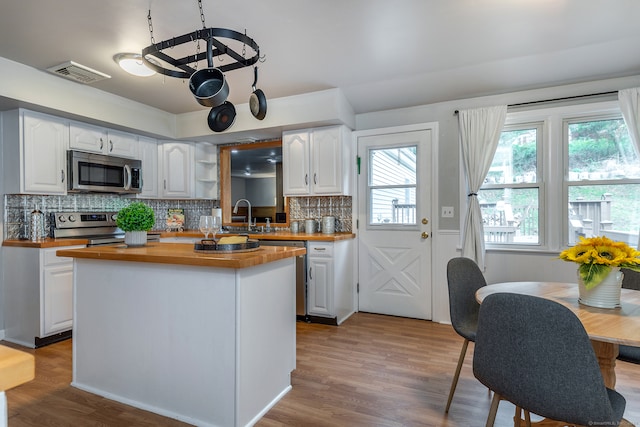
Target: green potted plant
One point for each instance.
(135, 220)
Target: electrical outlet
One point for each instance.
(447, 212)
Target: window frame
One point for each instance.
(392, 226)
(566, 182)
(553, 158)
(538, 184)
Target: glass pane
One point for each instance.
(605, 210)
(516, 157)
(510, 215)
(392, 166)
(392, 206)
(601, 149)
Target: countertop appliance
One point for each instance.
(301, 275)
(98, 227)
(90, 172)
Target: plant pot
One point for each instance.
(604, 295)
(135, 238)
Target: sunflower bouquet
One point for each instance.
(598, 255)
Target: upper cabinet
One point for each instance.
(176, 160)
(34, 153)
(317, 161)
(148, 154)
(100, 140)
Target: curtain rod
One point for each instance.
(566, 98)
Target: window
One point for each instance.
(510, 196)
(602, 180)
(392, 186)
(559, 173)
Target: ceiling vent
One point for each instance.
(78, 73)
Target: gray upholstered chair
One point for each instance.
(536, 354)
(464, 279)
(631, 280)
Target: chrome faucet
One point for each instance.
(235, 211)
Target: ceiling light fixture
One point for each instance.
(207, 83)
(132, 63)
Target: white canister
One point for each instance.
(310, 226)
(294, 227)
(328, 224)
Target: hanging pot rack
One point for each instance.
(215, 48)
(208, 85)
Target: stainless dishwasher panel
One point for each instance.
(301, 274)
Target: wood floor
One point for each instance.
(371, 371)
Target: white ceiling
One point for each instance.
(382, 54)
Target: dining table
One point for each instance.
(607, 328)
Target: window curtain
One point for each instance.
(630, 106)
(479, 133)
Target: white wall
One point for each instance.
(501, 266)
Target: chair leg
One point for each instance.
(454, 383)
(491, 418)
(517, 419)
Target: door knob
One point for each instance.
(425, 221)
(425, 235)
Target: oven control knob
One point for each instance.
(61, 218)
(72, 218)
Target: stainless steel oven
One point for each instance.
(90, 172)
(99, 228)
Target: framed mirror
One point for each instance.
(253, 172)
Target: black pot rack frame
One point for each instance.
(215, 48)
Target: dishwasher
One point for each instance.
(301, 275)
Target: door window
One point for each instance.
(392, 186)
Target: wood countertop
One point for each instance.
(276, 235)
(183, 254)
(16, 367)
(279, 235)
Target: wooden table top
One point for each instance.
(617, 325)
(184, 254)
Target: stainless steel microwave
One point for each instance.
(90, 172)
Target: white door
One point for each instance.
(394, 208)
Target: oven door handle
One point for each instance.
(127, 177)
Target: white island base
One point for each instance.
(208, 346)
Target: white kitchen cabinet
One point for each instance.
(34, 153)
(330, 290)
(206, 171)
(95, 139)
(38, 295)
(148, 154)
(122, 144)
(317, 161)
(176, 178)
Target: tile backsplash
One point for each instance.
(18, 208)
(301, 208)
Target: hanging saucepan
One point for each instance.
(209, 87)
(257, 100)
(221, 117)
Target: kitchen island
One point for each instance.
(205, 338)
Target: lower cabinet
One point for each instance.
(38, 295)
(330, 290)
